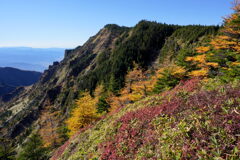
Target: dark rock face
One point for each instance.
(53, 93)
(79, 64)
(68, 52)
(47, 75)
(23, 124)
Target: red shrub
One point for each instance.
(57, 154)
(136, 130)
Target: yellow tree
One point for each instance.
(201, 62)
(84, 114)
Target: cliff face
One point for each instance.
(105, 58)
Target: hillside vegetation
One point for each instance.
(194, 115)
(154, 91)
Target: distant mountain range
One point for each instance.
(26, 58)
(11, 78)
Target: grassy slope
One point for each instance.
(192, 121)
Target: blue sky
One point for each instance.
(69, 23)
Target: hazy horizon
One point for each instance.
(28, 58)
(69, 23)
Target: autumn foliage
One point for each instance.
(182, 129)
(221, 55)
(84, 114)
(168, 77)
(178, 112)
(139, 84)
(49, 128)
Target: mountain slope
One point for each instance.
(11, 78)
(16, 77)
(191, 112)
(176, 124)
(58, 85)
(105, 59)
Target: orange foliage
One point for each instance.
(213, 64)
(138, 85)
(231, 31)
(201, 62)
(231, 23)
(48, 127)
(176, 71)
(201, 59)
(202, 49)
(224, 42)
(199, 73)
(235, 63)
(227, 41)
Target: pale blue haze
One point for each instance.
(69, 23)
(25, 58)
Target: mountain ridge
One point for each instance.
(12, 78)
(106, 59)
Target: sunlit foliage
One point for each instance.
(221, 55)
(168, 78)
(84, 114)
(139, 84)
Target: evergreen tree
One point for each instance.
(166, 81)
(7, 151)
(33, 149)
(102, 105)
